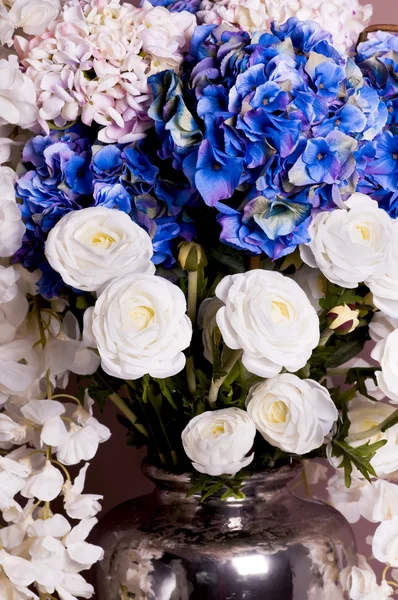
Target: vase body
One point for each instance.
(271, 545)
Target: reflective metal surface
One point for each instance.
(269, 546)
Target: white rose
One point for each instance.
(386, 354)
(313, 283)
(139, 326)
(361, 582)
(89, 247)
(385, 287)
(350, 246)
(344, 499)
(12, 228)
(292, 414)
(270, 318)
(217, 442)
(364, 414)
(385, 542)
(379, 501)
(381, 326)
(207, 322)
(17, 95)
(34, 16)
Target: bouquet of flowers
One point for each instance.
(198, 220)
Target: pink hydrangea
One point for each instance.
(95, 60)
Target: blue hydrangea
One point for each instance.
(268, 125)
(63, 172)
(191, 6)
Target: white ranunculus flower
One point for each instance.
(292, 414)
(361, 582)
(381, 326)
(92, 246)
(344, 499)
(351, 246)
(386, 354)
(139, 326)
(11, 225)
(17, 95)
(364, 414)
(385, 286)
(379, 501)
(270, 318)
(385, 542)
(218, 442)
(34, 16)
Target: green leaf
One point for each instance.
(359, 457)
(358, 376)
(145, 388)
(164, 388)
(213, 489)
(345, 352)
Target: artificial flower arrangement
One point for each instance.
(198, 220)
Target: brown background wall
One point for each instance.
(115, 472)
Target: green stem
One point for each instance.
(216, 384)
(128, 413)
(40, 322)
(191, 379)
(304, 478)
(192, 295)
(325, 336)
(383, 426)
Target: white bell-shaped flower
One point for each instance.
(13, 535)
(57, 527)
(45, 485)
(12, 480)
(84, 416)
(81, 444)
(74, 586)
(78, 505)
(10, 431)
(19, 571)
(47, 413)
(82, 555)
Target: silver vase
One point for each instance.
(270, 546)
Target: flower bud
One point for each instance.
(343, 319)
(191, 256)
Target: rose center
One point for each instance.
(279, 311)
(142, 316)
(364, 231)
(102, 239)
(278, 412)
(217, 430)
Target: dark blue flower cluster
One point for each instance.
(64, 172)
(377, 60)
(191, 6)
(267, 128)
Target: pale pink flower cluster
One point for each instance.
(95, 60)
(345, 20)
(31, 16)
